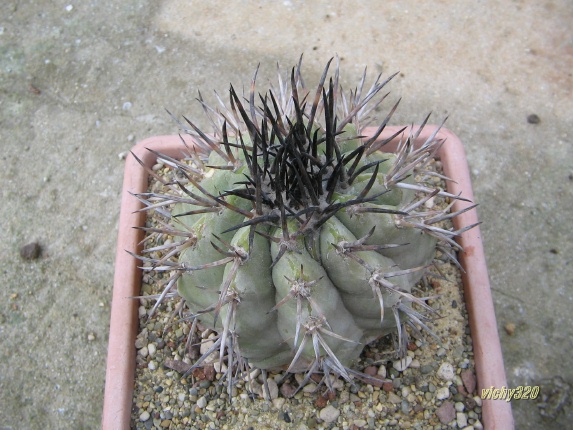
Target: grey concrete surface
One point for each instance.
(81, 82)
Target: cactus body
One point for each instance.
(301, 241)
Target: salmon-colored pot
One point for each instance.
(496, 414)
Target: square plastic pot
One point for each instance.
(118, 398)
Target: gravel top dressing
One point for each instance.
(432, 387)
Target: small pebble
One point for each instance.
(469, 380)
(446, 372)
(403, 364)
(510, 328)
(329, 414)
(279, 402)
(144, 416)
(30, 251)
(273, 389)
(442, 393)
(140, 342)
(393, 398)
(533, 119)
(430, 203)
(461, 419)
(371, 370)
(459, 406)
(470, 403)
(202, 402)
(287, 390)
(425, 369)
(151, 348)
(446, 413)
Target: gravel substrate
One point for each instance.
(434, 387)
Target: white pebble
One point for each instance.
(69, 8)
(459, 406)
(273, 389)
(152, 365)
(181, 397)
(202, 402)
(461, 419)
(478, 425)
(430, 203)
(309, 388)
(415, 363)
(126, 106)
(442, 393)
(205, 346)
(143, 352)
(254, 373)
(144, 416)
(478, 400)
(279, 403)
(122, 155)
(446, 372)
(152, 349)
(220, 367)
(382, 371)
(329, 414)
(403, 364)
(337, 384)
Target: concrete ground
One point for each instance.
(81, 82)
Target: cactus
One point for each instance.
(297, 240)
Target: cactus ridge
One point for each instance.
(294, 238)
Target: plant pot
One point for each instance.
(496, 414)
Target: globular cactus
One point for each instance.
(297, 240)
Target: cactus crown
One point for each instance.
(293, 233)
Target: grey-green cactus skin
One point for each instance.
(301, 241)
